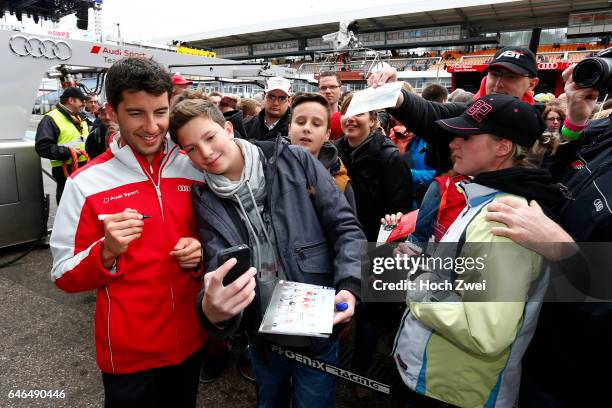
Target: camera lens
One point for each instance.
(587, 73)
(592, 73)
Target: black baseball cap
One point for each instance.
(517, 60)
(73, 92)
(501, 115)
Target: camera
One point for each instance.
(595, 72)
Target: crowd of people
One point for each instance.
(176, 175)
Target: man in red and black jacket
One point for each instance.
(125, 228)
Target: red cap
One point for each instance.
(178, 79)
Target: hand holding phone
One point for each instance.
(230, 288)
(242, 253)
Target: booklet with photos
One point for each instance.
(299, 309)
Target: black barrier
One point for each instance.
(332, 369)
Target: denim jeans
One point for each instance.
(278, 379)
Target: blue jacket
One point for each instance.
(318, 237)
(422, 174)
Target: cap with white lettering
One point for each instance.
(501, 115)
(517, 60)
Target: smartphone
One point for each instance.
(242, 253)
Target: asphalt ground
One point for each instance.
(48, 342)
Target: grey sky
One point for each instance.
(147, 20)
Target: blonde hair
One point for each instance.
(523, 156)
(189, 94)
(248, 106)
(549, 142)
(407, 87)
(602, 114)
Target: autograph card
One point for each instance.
(299, 309)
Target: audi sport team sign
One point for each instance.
(542, 66)
(111, 55)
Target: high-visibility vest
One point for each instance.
(69, 135)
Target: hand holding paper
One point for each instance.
(385, 96)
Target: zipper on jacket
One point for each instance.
(159, 178)
(277, 144)
(300, 252)
(110, 349)
(159, 199)
(310, 246)
(161, 206)
(174, 317)
(157, 192)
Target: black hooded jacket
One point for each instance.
(531, 183)
(235, 116)
(257, 130)
(571, 346)
(381, 181)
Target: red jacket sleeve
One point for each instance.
(76, 245)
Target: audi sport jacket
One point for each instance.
(144, 315)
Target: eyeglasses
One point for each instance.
(504, 76)
(555, 119)
(330, 87)
(274, 98)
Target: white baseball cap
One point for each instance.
(280, 83)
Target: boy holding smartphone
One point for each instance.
(283, 203)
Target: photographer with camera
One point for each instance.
(572, 343)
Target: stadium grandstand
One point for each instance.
(446, 41)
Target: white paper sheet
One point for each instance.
(374, 98)
(300, 309)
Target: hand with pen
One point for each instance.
(345, 306)
(119, 231)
